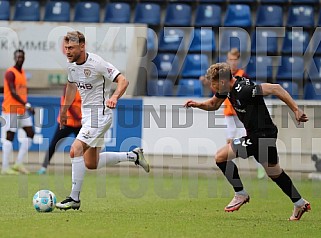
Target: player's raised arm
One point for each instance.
(211, 104)
(282, 94)
(122, 84)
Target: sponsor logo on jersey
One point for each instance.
(82, 85)
(87, 72)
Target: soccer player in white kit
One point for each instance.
(93, 77)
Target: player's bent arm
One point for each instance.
(122, 84)
(211, 104)
(281, 93)
(70, 94)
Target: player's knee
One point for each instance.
(72, 152)
(272, 170)
(90, 165)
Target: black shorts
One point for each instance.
(262, 146)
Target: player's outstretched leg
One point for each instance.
(298, 211)
(68, 203)
(141, 159)
(237, 202)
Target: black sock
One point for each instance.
(285, 183)
(231, 172)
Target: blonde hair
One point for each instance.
(218, 71)
(235, 52)
(75, 36)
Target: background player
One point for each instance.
(15, 112)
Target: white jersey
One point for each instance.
(93, 79)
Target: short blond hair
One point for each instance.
(235, 52)
(219, 71)
(75, 36)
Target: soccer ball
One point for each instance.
(44, 201)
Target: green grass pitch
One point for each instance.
(171, 204)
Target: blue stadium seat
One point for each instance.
(195, 65)
(314, 69)
(148, 13)
(212, 1)
(234, 38)
(304, 1)
(160, 87)
(117, 13)
(208, 15)
(189, 88)
(290, 68)
(171, 39)
(243, 1)
(260, 68)
(312, 91)
(291, 87)
(275, 1)
(300, 16)
(202, 40)
(151, 40)
(4, 10)
(295, 41)
(87, 12)
(167, 65)
(57, 11)
(264, 41)
(178, 14)
(269, 15)
(238, 15)
(27, 11)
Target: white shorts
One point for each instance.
(235, 127)
(93, 129)
(14, 121)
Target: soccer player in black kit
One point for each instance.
(260, 141)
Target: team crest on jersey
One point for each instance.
(87, 72)
(110, 71)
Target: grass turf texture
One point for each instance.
(155, 206)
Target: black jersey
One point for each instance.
(247, 100)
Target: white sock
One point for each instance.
(78, 169)
(6, 153)
(24, 147)
(243, 193)
(299, 203)
(112, 158)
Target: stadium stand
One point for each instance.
(160, 87)
(195, 65)
(178, 14)
(269, 15)
(202, 40)
(291, 68)
(189, 87)
(312, 91)
(167, 65)
(259, 68)
(295, 42)
(87, 12)
(148, 13)
(171, 39)
(238, 15)
(208, 15)
(57, 11)
(264, 41)
(27, 11)
(234, 38)
(314, 70)
(4, 10)
(117, 13)
(300, 16)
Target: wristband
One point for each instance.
(27, 105)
